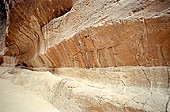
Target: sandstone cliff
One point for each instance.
(27, 18)
(92, 34)
(85, 55)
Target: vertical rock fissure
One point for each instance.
(167, 104)
(150, 86)
(166, 109)
(149, 82)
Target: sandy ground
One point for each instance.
(14, 98)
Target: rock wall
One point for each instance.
(25, 38)
(4, 22)
(101, 35)
(93, 34)
(2, 19)
(130, 42)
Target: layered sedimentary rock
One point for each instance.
(25, 37)
(114, 44)
(86, 36)
(103, 34)
(92, 34)
(119, 89)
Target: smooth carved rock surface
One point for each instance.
(119, 89)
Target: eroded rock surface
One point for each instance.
(25, 38)
(120, 89)
(93, 34)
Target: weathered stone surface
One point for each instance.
(114, 44)
(120, 89)
(93, 34)
(25, 38)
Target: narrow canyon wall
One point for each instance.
(25, 39)
(117, 53)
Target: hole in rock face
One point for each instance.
(2, 10)
(22, 65)
(1, 60)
